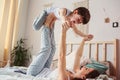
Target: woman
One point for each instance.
(40, 66)
(90, 70)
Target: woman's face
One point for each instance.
(83, 72)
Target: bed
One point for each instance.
(102, 51)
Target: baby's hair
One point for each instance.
(84, 12)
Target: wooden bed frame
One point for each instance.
(105, 45)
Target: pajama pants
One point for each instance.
(47, 51)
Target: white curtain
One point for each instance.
(9, 20)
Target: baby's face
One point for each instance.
(76, 19)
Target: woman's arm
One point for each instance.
(80, 52)
(78, 56)
(62, 54)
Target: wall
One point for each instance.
(97, 26)
(97, 21)
(99, 10)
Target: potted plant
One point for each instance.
(20, 55)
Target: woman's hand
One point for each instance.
(70, 24)
(65, 27)
(88, 37)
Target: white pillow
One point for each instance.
(70, 60)
(83, 61)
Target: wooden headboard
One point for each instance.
(99, 50)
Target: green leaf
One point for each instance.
(20, 55)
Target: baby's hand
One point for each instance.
(90, 36)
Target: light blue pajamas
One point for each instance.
(44, 59)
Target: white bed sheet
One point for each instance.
(10, 74)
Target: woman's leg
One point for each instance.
(38, 64)
(53, 48)
(39, 21)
